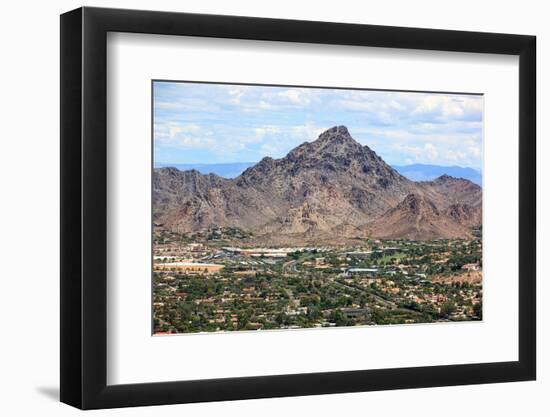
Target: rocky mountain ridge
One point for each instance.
(330, 190)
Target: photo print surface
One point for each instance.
(281, 207)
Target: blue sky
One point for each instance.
(217, 123)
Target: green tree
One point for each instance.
(447, 308)
(478, 310)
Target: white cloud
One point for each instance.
(296, 96)
(353, 105)
(236, 94)
(261, 132)
(307, 132)
(428, 153)
(197, 142)
(449, 107)
(270, 149)
(176, 129)
(431, 151)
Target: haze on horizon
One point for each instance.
(198, 123)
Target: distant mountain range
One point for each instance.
(422, 172)
(227, 170)
(330, 191)
(414, 172)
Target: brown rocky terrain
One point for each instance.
(418, 218)
(455, 190)
(331, 190)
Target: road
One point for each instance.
(387, 303)
(290, 267)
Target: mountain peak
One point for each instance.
(334, 141)
(335, 131)
(417, 218)
(336, 134)
(335, 151)
(445, 177)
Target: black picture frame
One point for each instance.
(84, 207)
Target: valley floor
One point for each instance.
(207, 283)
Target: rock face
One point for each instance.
(465, 214)
(418, 218)
(455, 190)
(330, 190)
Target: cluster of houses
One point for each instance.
(188, 267)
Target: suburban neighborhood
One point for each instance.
(201, 284)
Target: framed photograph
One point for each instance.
(258, 208)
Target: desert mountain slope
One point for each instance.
(331, 189)
(455, 190)
(418, 218)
